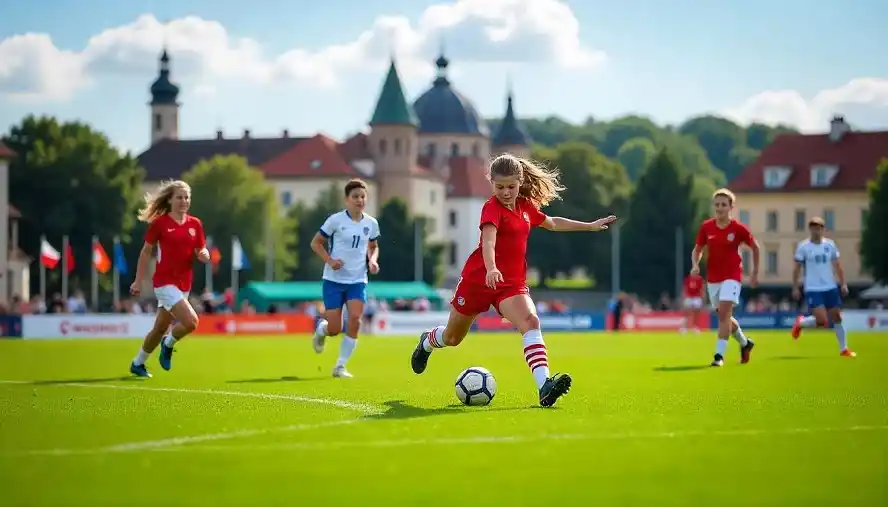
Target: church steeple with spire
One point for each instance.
(164, 103)
(511, 137)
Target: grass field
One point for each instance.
(259, 422)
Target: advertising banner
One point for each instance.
(768, 320)
(262, 324)
(407, 323)
(86, 326)
(10, 326)
(865, 320)
(657, 321)
(549, 321)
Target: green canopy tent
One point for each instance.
(262, 294)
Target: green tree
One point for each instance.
(874, 241)
(397, 243)
(663, 201)
(718, 137)
(635, 155)
(623, 129)
(233, 199)
(759, 135)
(594, 187)
(68, 179)
(306, 221)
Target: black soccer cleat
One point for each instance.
(555, 387)
(717, 361)
(746, 351)
(420, 358)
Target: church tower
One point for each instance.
(164, 107)
(511, 137)
(393, 139)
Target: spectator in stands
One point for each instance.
(77, 302)
(617, 311)
(246, 308)
(542, 307)
(422, 304)
(665, 304)
(17, 306)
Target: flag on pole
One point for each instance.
(101, 261)
(239, 261)
(69, 257)
(49, 256)
(215, 258)
(119, 258)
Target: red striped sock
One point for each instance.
(536, 356)
(435, 339)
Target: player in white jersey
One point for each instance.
(347, 243)
(819, 256)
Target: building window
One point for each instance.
(158, 121)
(286, 198)
(452, 219)
(431, 150)
(773, 178)
(829, 218)
(476, 150)
(771, 224)
(800, 220)
(820, 177)
(382, 146)
(397, 146)
(454, 150)
(744, 217)
(453, 252)
(746, 256)
(432, 197)
(771, 262)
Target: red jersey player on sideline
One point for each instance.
(495, 273)
(722, 237)
(179, 238)
(693, 301)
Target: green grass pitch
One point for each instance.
(259, 422)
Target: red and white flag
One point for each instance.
(101, 261)
(49, 256)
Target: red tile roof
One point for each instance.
(857, 155)
(355, 147)
(317, 156)
(468, 178)
(5, 152)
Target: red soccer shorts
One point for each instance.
(471, 299)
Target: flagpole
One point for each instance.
(42, 270)
(95, 275)
(269, 252)
(208, 267)
(116, 275)
(234, 284)
(65, 267)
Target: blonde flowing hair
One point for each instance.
(539, 184)
(159, 203)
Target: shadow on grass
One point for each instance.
(276, 379)
(397, 409)
(693, 367)
(128, 378)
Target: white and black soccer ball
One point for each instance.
(475, 386)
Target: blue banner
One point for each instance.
(766, 320)
(11, 326)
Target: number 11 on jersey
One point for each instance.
(356, 241)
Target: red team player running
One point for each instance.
(722, 237)
(495, 273)
(179, 238)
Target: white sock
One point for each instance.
(808, 321)
(740, 337)
(321, 329)
(346, 348)
(435, 339)
(141, 357)
(169, 341)
(536, 356)
(721, 346)
(840, 335)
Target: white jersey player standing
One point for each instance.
(347, 243)
(819, 256)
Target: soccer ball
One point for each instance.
(475, 386)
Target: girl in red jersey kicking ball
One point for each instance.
(722, 237)
(179, 238)
(496, 272)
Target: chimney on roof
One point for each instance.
(838, 127)
(286, 134)
(246, 133)
(220, 135)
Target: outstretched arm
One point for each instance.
(561, 224)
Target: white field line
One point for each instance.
(360, 407)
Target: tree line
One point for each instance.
(68, 179)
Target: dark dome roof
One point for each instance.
(443, 110)
(163, 91)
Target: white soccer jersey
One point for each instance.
(817, 259)
(347, 241)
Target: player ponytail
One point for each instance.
(159, 203)
(538, 184)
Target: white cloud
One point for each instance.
(863, 101)
(515, 31)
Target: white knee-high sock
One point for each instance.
(435, 339)
(346, 348)
(141, 357)
(536, 356)
(721, 346)
(808, 321)
(739, 336)
(841, 336)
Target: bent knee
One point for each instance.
(532, 321)
(190, 324)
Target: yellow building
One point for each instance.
(798, 177)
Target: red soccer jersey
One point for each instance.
(693, 286)
(176, 245)
(512, 231)
(723, 244)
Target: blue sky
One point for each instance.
(269, 65)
